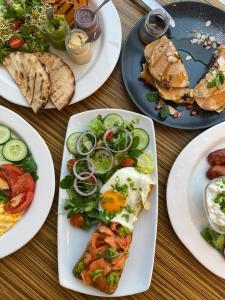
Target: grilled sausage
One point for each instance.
(217, 157)
(215, 171)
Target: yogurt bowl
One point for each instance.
(214, 203)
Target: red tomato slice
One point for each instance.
(24, 183)
(70, 165)
(16, 26)
(109, 135)
(16, 42)
(77, 220)
(19, 203)
(11, 169)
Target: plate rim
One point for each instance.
(62, 282)
(174, 222)
(26, 125)
(188, 128)
(107, 69)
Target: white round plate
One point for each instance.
(36, 214)
(89, 77)
(185, 187)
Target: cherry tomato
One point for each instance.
(70, 165)
(109, 135)
(16, 26)
(19, 203)
(127, 162)
(77, 220)
(16, 42)
(24, 183)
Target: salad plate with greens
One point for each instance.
(109, 164)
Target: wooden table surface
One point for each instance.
(31, 272)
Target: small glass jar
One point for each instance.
(86, 20)
(156, 24)
(78, 46)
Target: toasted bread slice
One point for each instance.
(31, 77)
(166, 65)
(62, 79)
(212, 98)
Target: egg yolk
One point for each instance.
(113, 201)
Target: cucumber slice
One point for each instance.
(112, 120)
(5, 134)
(72, 141)
(102, 161)
(140, 139)
(15, 150)
(2, 159)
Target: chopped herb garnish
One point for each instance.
(110, 254)
(3, 197)
(218, 81)
(220, 199)
(113, 278)
(164, 111)
(79, 267)
(153, 97)
(126, 217)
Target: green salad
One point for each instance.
(108, 144)
(22, 26)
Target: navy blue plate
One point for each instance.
(187, 16)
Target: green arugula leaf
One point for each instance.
(67, 182)
(3, 198)
(29, 165)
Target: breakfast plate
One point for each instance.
(189, 17)
(89, 77)
(72, 241)
(35, 215)
(186, 184)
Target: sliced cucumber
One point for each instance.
(5, 134)
(15, 150)
(102, 161)
(140, 139)
(2, 159)
(72, 141)
(112, 120)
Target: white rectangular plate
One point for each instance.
(72, 242)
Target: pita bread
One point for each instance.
(31, 77)
(62, 79)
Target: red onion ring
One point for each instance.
(118, 151)
(80, 139)
(82, 193)
(90, 166)
(110, 154)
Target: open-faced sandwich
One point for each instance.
(165, 71)
(109, 184)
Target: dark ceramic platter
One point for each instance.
(187, 15)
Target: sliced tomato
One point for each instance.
(12, 169)
(109, 135)
(16, 42)
(23, 183)
(70, 165)
(16, 26)
(77, 220)
(127, 162)
(19, 203)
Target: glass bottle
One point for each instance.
(156, 24)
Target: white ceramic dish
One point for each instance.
(35, 216)
(89, 77)
(72, 242)
(185, 187)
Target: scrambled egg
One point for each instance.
(7, 221)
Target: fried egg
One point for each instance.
(125, 194)
(7, 221)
